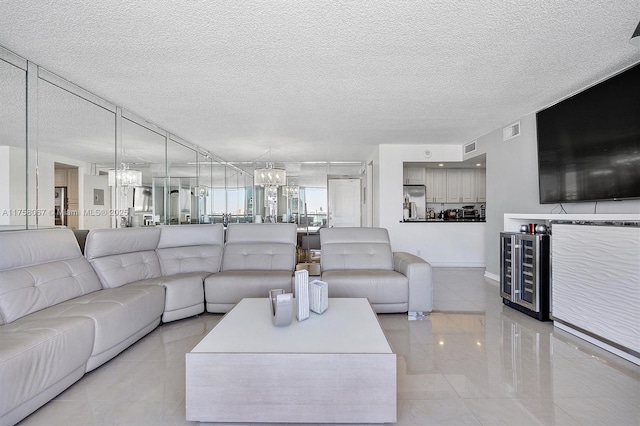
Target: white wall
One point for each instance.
(5, 193)
(512, 186)
(96, 220)
(441, 244)
(12, 187)
(374, 160)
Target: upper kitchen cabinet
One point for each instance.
(436, 182)
(414, 175)
(454, 186)
(468, 192)
(481, 185)
(462, 185)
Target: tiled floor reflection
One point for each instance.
(476, 362)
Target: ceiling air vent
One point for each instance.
(511, 131)
(470, 147)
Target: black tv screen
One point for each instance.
(589, 144)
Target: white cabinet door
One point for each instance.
(481, 185)
(436, 183)
(60, 177)
(414, 176)
(454, 186)
(468, 185)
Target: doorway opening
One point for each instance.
(66, 195)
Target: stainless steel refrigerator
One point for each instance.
(414, 200)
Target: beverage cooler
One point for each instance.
(524, 273)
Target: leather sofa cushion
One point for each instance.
(117, 313)
(193, 248)
(39, 269)
(118, 270)
(233, 286)
(260, 247)
(355, 248)
(25, 248)
(258, 257)
(376, 285)
(285, 233)
(109, 242)
(192, 235)
(27, 290)
(124, 255)
(179, 260)
(37, 354)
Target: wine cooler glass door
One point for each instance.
(526, 294)
(507, 272)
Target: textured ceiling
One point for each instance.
(321, 81)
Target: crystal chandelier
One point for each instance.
(125, 177)
(291, 191)
(269, 176)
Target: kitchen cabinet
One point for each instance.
(72, 185)
(454, 186)
(449, 185)
(60, 177)
(468, 185)
(414, 175)
(72, 195)
(481, 186)
(436, 183)
(462, 186)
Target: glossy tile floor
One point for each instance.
(472, 362)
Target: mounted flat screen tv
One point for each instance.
(589, 144)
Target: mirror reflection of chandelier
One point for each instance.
(269, 176)
(125, 177)
(291, 191)
(203, 190)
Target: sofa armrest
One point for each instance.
(418, 272)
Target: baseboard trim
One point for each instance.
(457, 265)
(491, 276)
(608, 345)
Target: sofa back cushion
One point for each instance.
(125, 255)
(260, 246)
(41, 268)
(192, 248)
(355, 248)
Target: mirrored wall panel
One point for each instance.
(182, 184)
(75, 147)
(141, 166)
(13, 121)
(69, 158)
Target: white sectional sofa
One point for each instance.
(359, 262)
(63, 314)
(257, 257)
(175, 257)
(57, 320)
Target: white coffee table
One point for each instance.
(332, 368)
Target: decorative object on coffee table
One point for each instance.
(302, 294)
(281, 307)
(318, 296)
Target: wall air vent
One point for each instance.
(511, 131)
(470, 147)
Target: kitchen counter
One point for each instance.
(443, 220)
